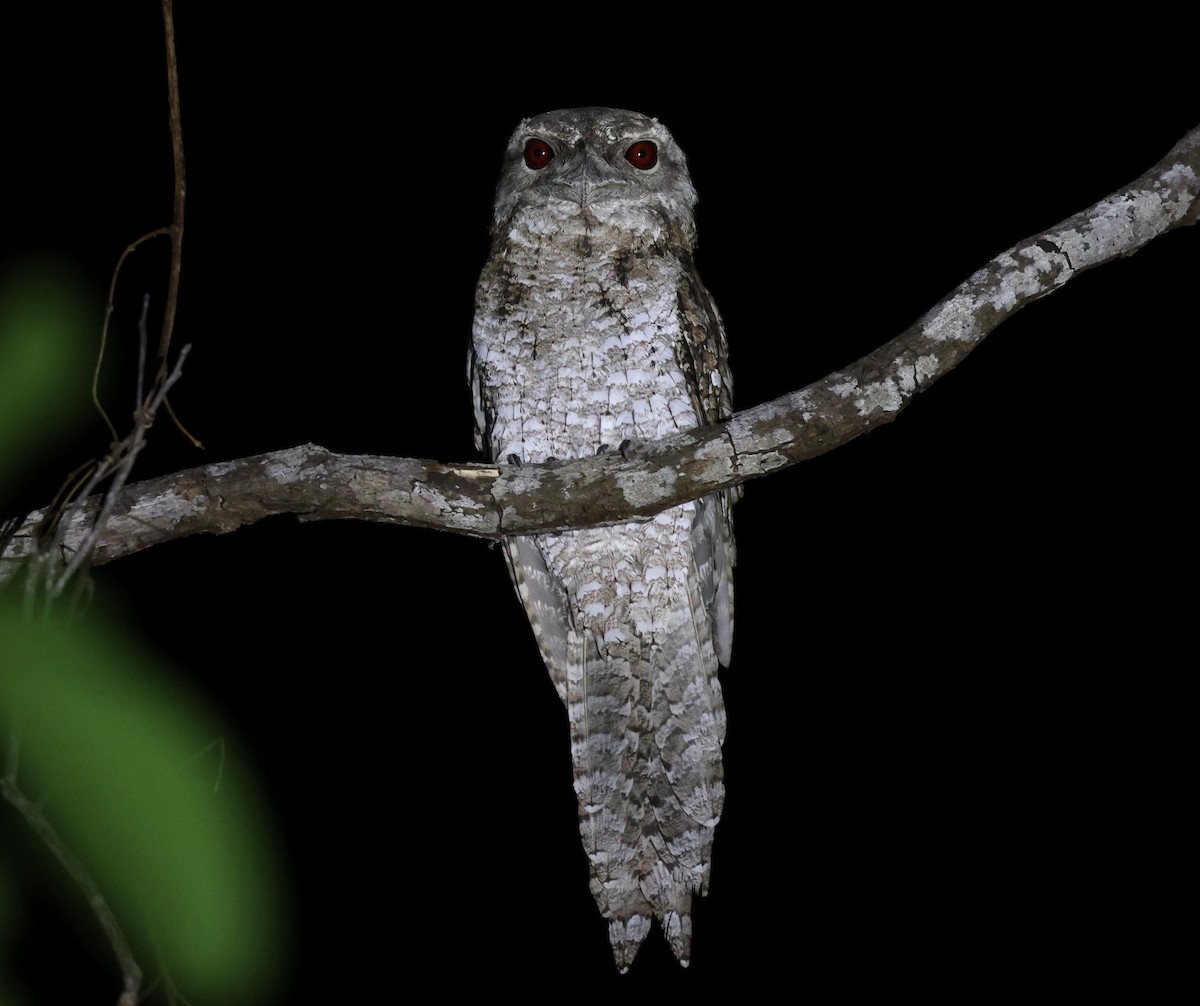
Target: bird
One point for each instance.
(593, 331)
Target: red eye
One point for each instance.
(538, 153)
(643, 155)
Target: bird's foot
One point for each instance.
(629, 447)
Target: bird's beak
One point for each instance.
(587, 174)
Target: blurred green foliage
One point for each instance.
(120, 745)
(46, 339)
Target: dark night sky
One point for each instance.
(918, 729)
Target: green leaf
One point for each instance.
(123, 749)
(46, 340)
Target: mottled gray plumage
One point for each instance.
(592, 327)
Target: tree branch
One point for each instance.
(492, 501)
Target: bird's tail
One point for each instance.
(647, 722)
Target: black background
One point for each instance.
(948, 631)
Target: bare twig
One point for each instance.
(174, 231)
(131, 973)
(180, 189)
(120, 466)
(108, 312)
(119, 462)
(141, 364)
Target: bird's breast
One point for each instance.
(577, 348)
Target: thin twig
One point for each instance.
(131, 973)
(121, 457)
(120, 464)
(141, 364)
(195, 441)
(108, 312)
(180, 188)
(175, 231)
